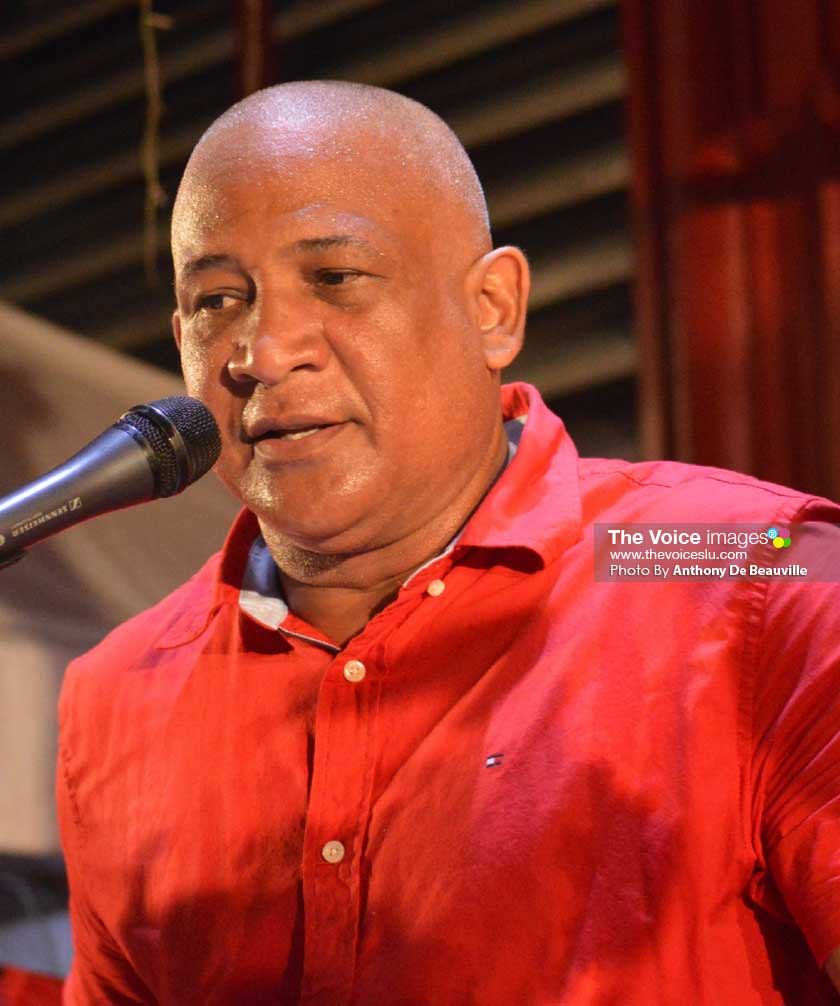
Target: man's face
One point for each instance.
(322, 317)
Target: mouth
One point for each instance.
(291, 438)
(288, 426)
(291, 433)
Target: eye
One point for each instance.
(215, 301)
(336, 277)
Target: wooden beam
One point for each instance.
(254, 45)
(50, 26)
(443, 41)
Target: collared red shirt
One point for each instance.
(517, 785)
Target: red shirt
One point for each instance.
(23, 988)
(527, 788)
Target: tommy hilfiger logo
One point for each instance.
(493, 759)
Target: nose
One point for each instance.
(275, 341)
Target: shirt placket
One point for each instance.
(346, 754)
(337, 819)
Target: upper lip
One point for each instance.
(283, 423)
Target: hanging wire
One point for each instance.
(150, 22)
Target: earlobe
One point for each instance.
(502, 281)
(176, 328)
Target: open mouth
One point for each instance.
(293, 434)
(297, 433)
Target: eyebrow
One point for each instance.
(330, 241)
(205, 262)
(210, 262)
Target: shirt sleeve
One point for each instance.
(796, 744)
(101, 973)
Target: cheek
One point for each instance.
(206, 378)
(204, 366)
(196, 366)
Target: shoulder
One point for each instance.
(181, 616)
(192, 599)
(99, 672)
(669, 490)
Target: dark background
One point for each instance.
(535, 90)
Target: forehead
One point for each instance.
(245, 180)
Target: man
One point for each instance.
(396, 745)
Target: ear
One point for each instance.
(176, 328)
(499, 283)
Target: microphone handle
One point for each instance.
(113, 471)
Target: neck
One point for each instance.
(338, 594)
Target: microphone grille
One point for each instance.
(198, 429)
(183, 436)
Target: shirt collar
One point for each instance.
(536, 504)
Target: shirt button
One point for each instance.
(436, 588)
(333, 852)
(354, 670)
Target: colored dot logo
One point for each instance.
(779, 540)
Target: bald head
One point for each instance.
(385, 144)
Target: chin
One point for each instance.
(324, 511)
(322, 540)
(310, 526)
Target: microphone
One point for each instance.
(153, 450)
